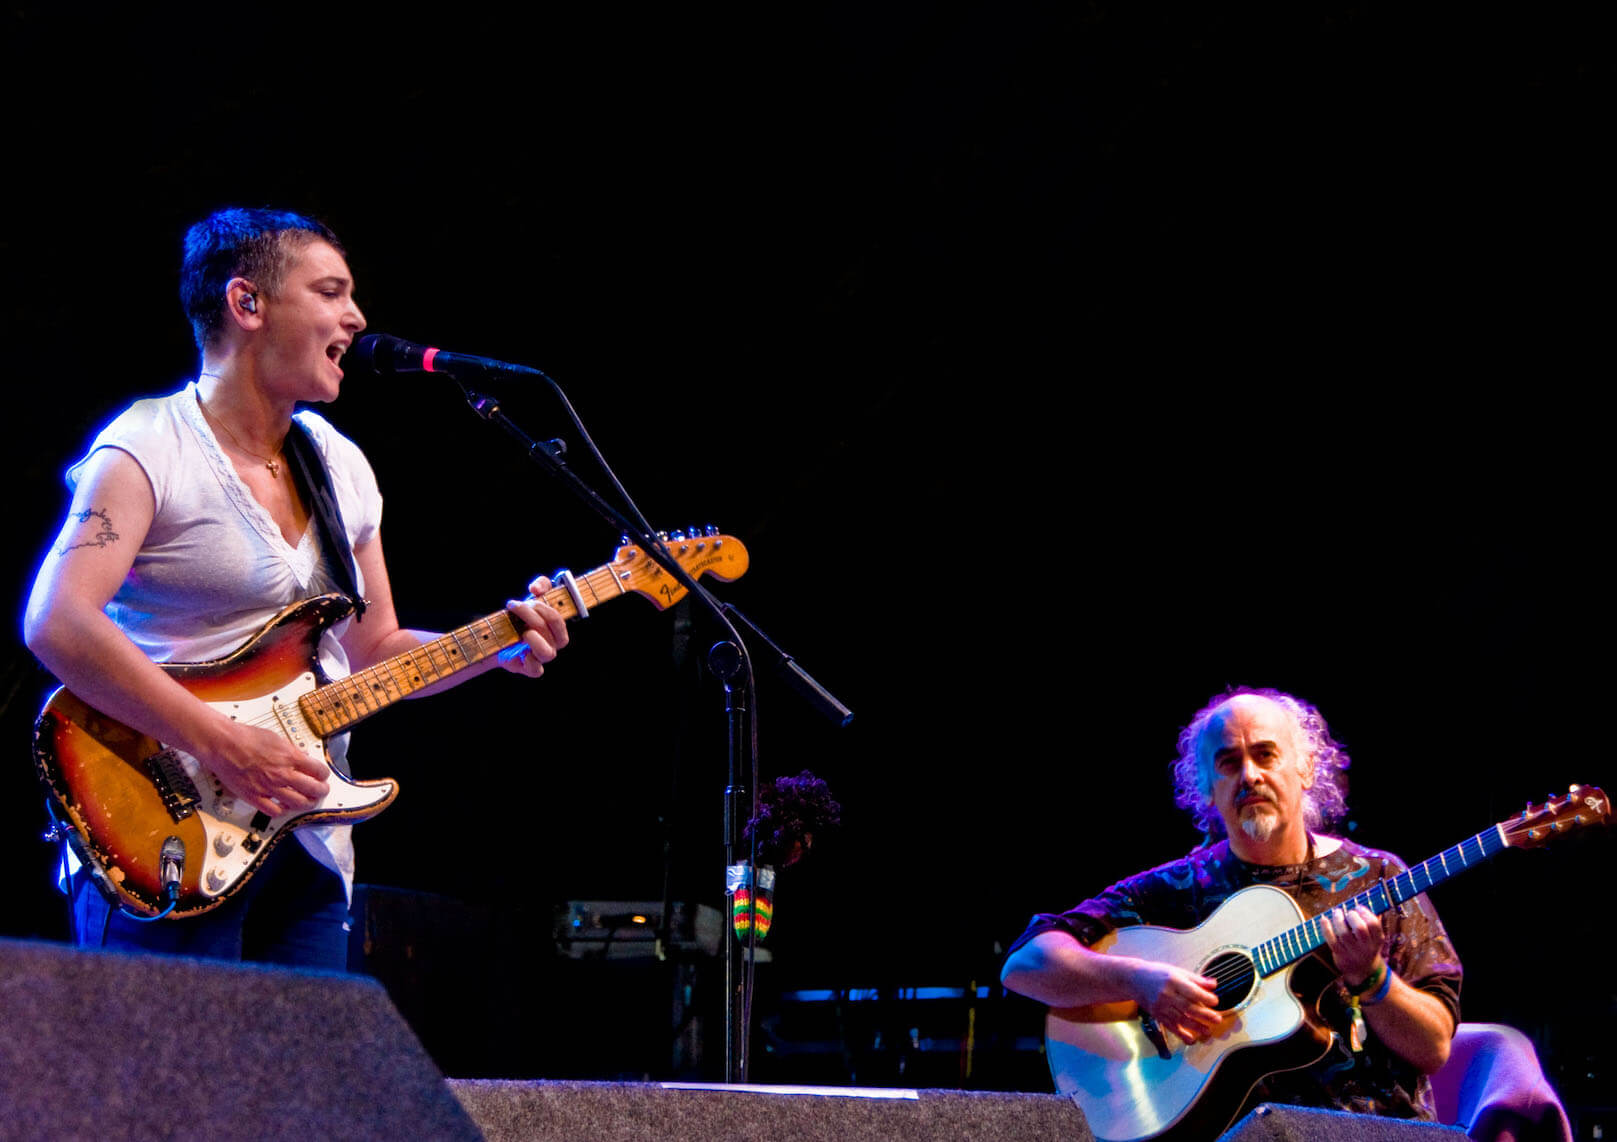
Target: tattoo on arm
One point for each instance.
(101, 538)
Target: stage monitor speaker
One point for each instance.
(111, 1045)
(634, 1112)
(1271, 1123)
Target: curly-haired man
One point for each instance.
(1260, 768)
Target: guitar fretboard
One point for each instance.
(1385, 895)
(339, 705)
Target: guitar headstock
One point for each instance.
(722, 556)
(1583, 805)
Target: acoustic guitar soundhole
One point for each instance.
(1235, 975)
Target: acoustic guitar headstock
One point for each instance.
(1581, 807)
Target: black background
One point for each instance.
(1058, 364)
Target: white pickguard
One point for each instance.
(233, 843)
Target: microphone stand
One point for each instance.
(729, 662)
(548, 455)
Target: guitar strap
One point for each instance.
(309, 469)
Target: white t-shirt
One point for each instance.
(215, 568)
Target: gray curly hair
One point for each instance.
(1324, 803)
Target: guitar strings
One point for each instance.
(357, 690)
(380, 685)
(1309, 937)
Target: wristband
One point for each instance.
(1375, 981)
(1380, 992)
(1370, 992)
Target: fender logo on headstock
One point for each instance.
(722, 556)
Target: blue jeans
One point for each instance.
(293, 911)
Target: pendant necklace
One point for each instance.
(270, 462)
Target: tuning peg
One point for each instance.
(677, 535)
(623, 540)
(710, 530)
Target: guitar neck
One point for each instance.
(340, 705)
(1290, 946)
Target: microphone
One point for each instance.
(387, 356)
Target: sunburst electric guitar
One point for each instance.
(1135, 1081)
(141, 816)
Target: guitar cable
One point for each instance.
(172, 864)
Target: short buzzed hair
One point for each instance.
(257, 244)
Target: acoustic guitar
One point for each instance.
(1135, 1081)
